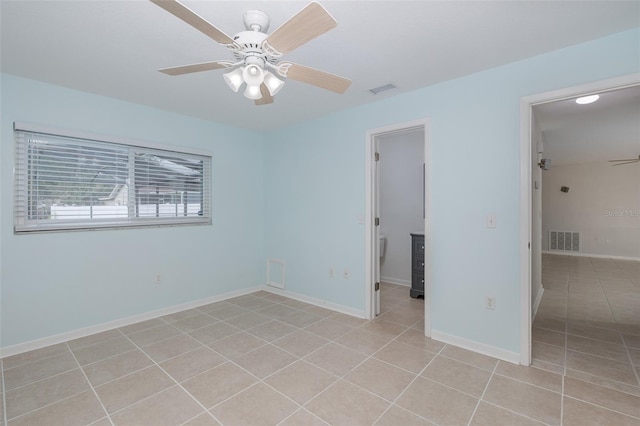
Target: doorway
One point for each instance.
(375, 139)
(531, 202)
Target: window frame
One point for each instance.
(22, 224)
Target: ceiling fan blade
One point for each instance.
(315, 77)
(301, 28)
(203, 66)
(626, 159)
(179, 10)
(266, 96)
(628, 162)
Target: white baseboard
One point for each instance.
(317, 302)
(397, 281)
(478, 347)
(536, 303)
(599, 256)
(99, 328)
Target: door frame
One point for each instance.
(526, 105)
(370, 199)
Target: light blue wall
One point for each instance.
(306, 210)
(314, 192)
(59, 282)
(315, 187)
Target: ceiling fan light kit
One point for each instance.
(257, 54)
(273, 83)
(234, 79)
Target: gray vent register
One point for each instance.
(564, 241)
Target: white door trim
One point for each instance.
(526, 103)
(425, 123)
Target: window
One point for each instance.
(67, 182)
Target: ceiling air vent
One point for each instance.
(381, 89)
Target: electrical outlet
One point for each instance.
(331, 273)
(490, 303)
(346, 274)
(158, 278)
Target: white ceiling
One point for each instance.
(114, 48)
(605, 130)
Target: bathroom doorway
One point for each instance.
(398, 200)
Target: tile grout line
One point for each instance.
(566, 351)
(151, 328)
(609, 306)
(171, 378)
(193, 418)
(517, 413)
(566, 346)
(624, 342)
(49, 405)
(125, 375)
(119, 410)
(397, 366)
(604, 295)
(338, 377)
(604, 358)
(603, 407)
(303, 409)
(594, 339)
(633, 367)
(89, 383)
(562, 400)
(607, 384)
(566, 335)
(418, 375)
(230, 361)
(164, 322)
(262, 380)
(36, 360)
(484, 391)
(620, 333)
(42, 380)
(227, 359)
(298, 358)
(93, 344)
(474, 365)
(559, 392)
(110, 357)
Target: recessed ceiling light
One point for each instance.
(587, 99)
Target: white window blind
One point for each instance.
(64, 182)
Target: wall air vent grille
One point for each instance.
(564, 241)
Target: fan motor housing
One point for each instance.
(251, 44)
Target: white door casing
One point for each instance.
(372, 260)
(526, 177)
(376, 227)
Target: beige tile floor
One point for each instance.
(263, 359)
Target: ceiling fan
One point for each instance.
(625, 161)
(258, 54)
